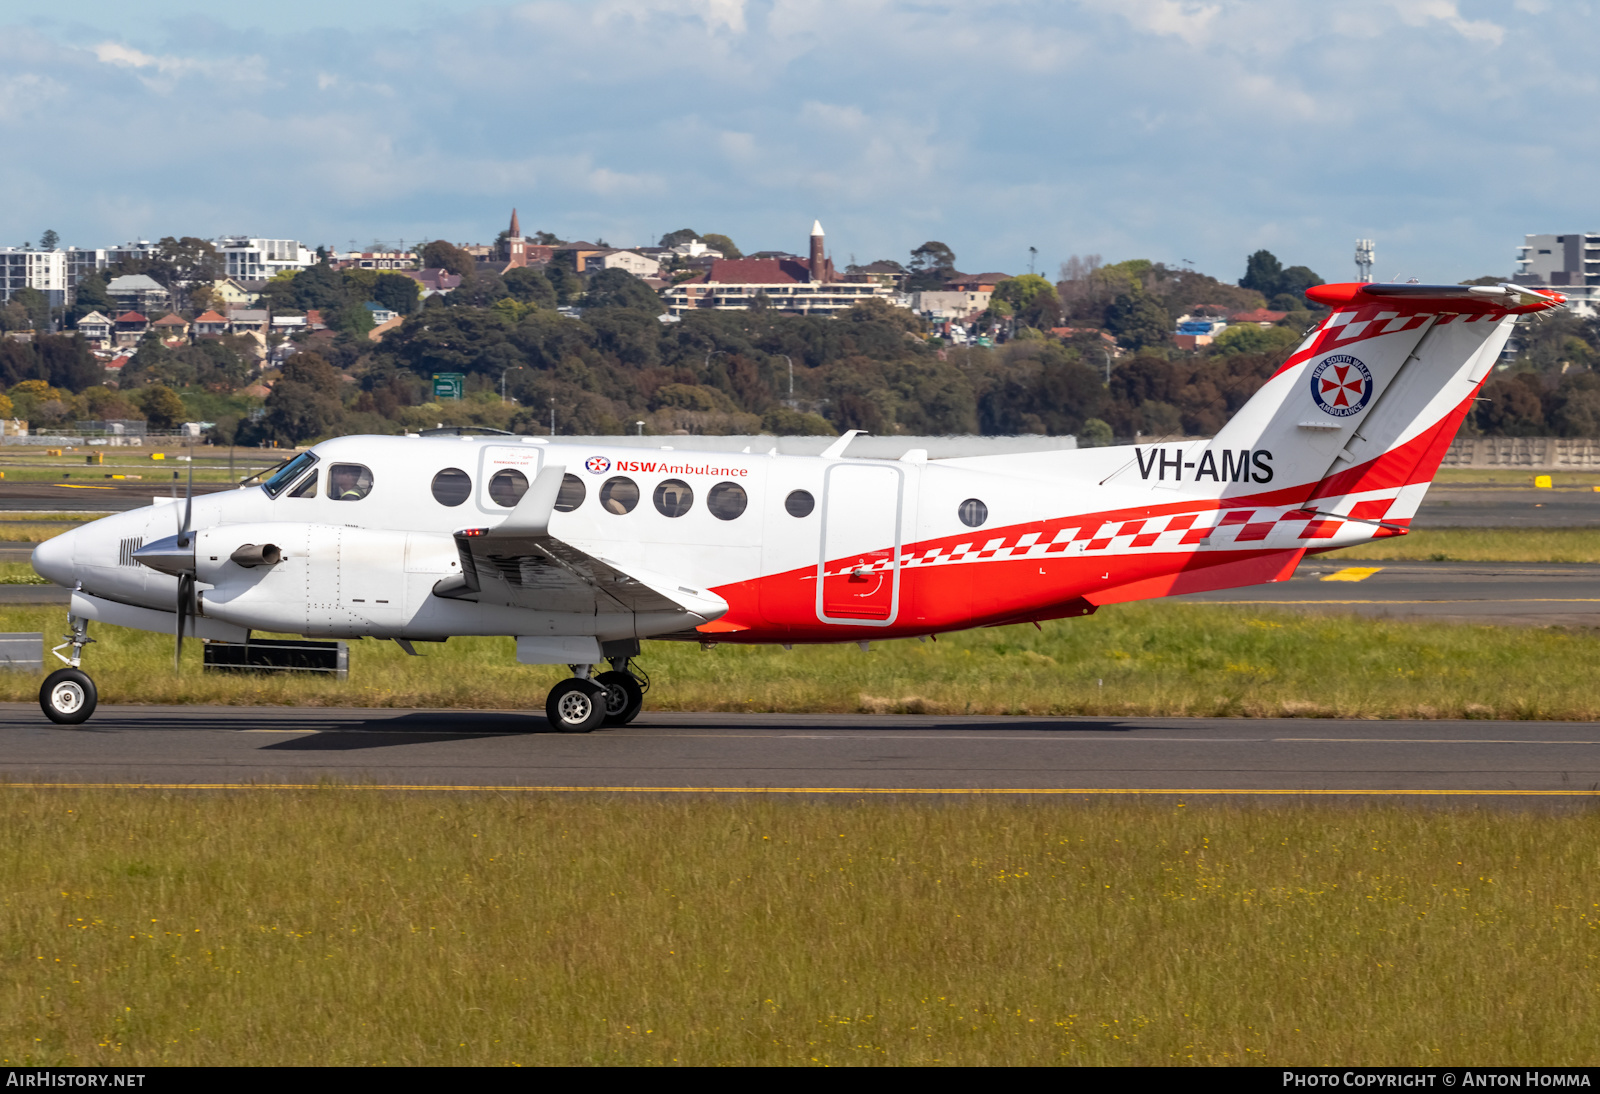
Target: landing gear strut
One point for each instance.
(585, 702)
(68, 696)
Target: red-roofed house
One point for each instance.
(210, 325)
(1260, 316)
(172, 328)
(129, 328)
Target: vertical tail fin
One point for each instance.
(1370, 400)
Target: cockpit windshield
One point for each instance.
(286, 474)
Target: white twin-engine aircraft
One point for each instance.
(579, 552)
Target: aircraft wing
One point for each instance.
(518, 563)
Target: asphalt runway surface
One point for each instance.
(1518, 763)
(1510, 593)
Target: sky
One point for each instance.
(1182, 132)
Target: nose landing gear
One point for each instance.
(68, 696)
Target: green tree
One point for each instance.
(1262, 271)
(932, 264)
(1094, 434)
(721, 243)
(162, 407)
(37, 306)
(1138, 321)
(397, 292)
(1253, 338)
(49, 241)
(620, 289)
(681, 236)
(442, 255)
(530, 287)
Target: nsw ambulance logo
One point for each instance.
(597, 465)
(1341, 385)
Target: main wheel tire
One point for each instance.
(576, 706)
(624, 697)
(68, 697)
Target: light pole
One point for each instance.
(785, 356)
(641, 428)
(1108, 364)
(513, 368)
(552, 416)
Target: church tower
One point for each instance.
(514, 252)
(819, 268)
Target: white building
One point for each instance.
(632, 261)
(34, 269)
(246, 258)
(950, 305)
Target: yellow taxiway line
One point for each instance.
(1057, 791)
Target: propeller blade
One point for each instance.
(185, 595)
(188, 498)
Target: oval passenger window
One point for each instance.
(571, 495)
(973, 512)
(727, 500)
(799, 503)
(619, 495)
(507, 487)
(673, 497)
(452, 486)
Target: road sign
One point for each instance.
(449, 385)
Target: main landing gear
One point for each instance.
(585, 702)
(68, 696)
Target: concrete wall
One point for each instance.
(1541, 453)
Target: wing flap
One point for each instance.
(520, 564)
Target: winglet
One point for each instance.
(836, 450)
(531, 517)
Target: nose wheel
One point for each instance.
(68, 696)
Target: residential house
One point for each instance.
(233, 293)
(138, 292)
(951, 305)
(375, 260)
(172, 329)
(632, 261)
(435, 280)
(96, 329)
(128, 328)
(984, 282)
(1261, 317)
(380, 314)
(890, 274)
(246, 320)
(210, 325)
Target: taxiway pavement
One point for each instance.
(1503, 762)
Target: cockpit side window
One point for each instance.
(349, 482)
(307, 488)
(288, 473)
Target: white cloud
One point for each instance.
(1158, 128)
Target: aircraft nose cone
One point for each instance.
(53, 559)
(173, 555)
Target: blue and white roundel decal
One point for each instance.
(597, 465)
(1341, 385)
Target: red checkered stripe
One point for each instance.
(1345, 328)
(1211, 528)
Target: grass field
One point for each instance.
(364, 927)
(1154, 659)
